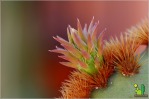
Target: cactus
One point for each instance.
(93, 61)
(139, 91)
(142, 89)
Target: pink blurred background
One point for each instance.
(28, 69)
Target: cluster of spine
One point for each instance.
(80, 84)
(94, 60)
(121, 52)
(140, 32)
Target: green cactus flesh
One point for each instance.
(123, 87)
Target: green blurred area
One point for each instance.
(20, 51)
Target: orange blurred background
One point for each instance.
(29, 70)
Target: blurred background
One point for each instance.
(28, 69)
